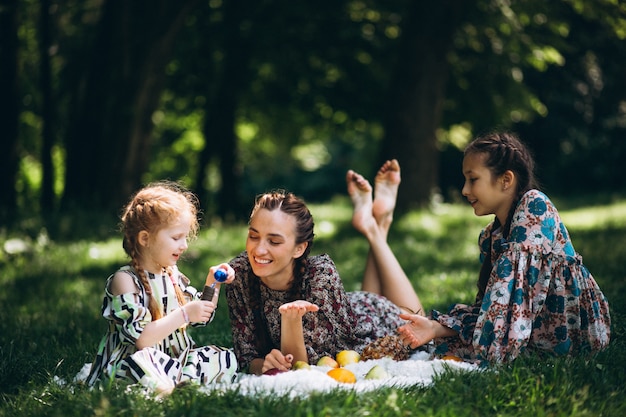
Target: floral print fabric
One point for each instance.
(345, 320)
(539, 297)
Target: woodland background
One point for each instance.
(236, 97)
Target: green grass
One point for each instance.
(50, 323)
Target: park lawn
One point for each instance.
(50, 323)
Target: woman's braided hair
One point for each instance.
(151, 209)
(289, 204)
(503, 152)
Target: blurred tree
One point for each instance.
(218, 128)
(234, 98)
(118, 89)
(9, 107)
(47, 109)
(417, 94)
(581, 142)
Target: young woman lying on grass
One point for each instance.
(286, 306)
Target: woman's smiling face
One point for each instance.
(271, 247)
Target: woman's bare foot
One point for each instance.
(386, 186)
(360, 192)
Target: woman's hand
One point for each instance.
(230, 274)
(210, 279)
(297, 309)
(275, 359)
(419, 331)
(199, 311)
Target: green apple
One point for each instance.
(300, 365)
(377, 372)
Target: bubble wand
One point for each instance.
(209, 290)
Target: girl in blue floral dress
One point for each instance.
(149, 303)
(534, 293)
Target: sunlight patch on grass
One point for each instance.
(80, 288)
(421, 221)
(106, 251)
(325, 229)
(588, 218)
(338, 209)
(439, 220)
(442, 289)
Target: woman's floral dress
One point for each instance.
(174, 360)
(345, 320)
(539, 297)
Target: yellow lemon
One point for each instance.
(346, 357)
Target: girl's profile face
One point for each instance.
(271, 247)
(164, 247)
(486, 194)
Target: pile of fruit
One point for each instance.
(337, 367)
(347, 357)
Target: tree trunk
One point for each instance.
(220, 118)
(109, 138)
(416, 96)
(47, 112)
(9, 109)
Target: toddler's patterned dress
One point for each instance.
(174, 360)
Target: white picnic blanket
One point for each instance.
(418, 370)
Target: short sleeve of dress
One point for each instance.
(127, 312)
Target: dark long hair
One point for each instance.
(289, 204)
(504, 152)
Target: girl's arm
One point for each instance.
(421, 330)
(193, 312)
(157, 330)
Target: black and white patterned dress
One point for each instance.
(174, 360)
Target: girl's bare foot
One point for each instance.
(360, 192)
(386, 186)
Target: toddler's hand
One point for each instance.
(199, 311)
